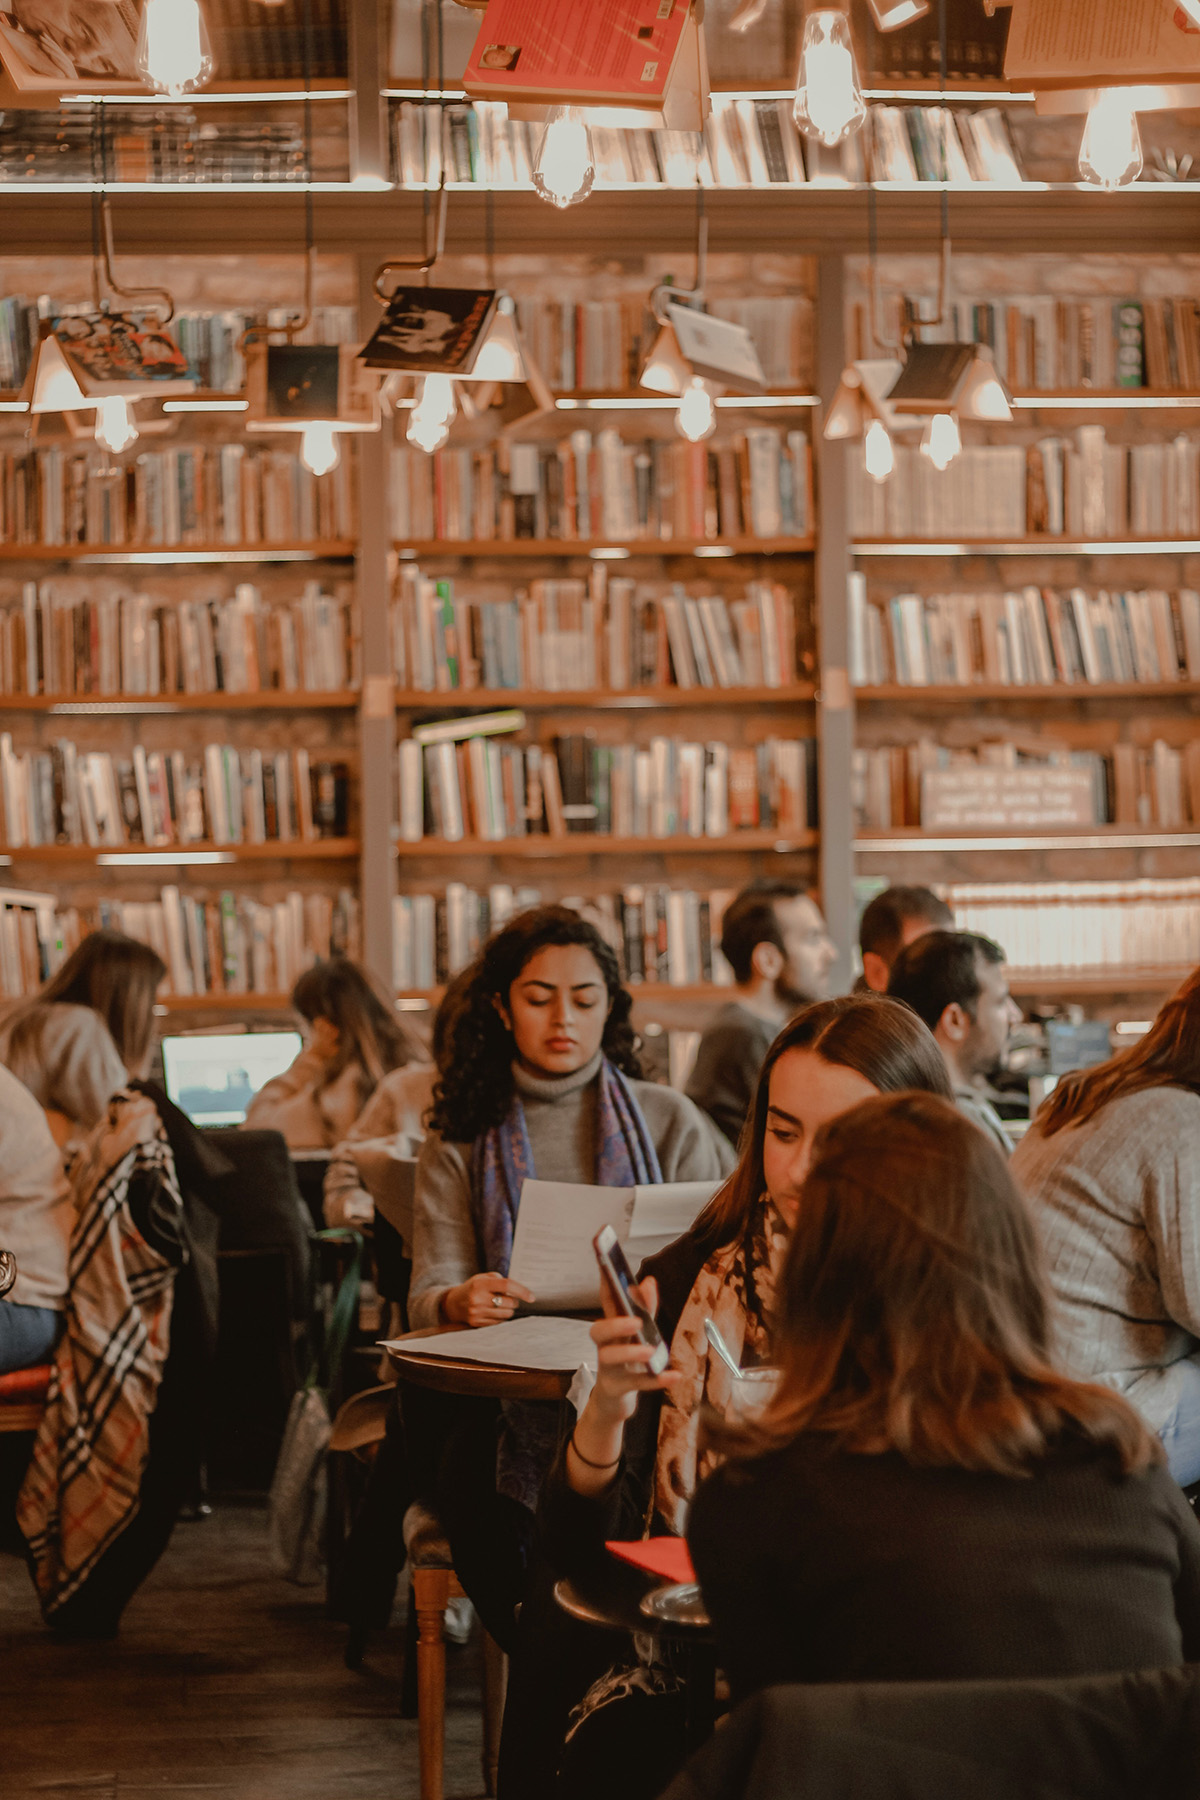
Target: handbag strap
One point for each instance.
(325, 1366)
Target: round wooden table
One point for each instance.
(450, 1374)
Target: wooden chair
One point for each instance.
(22, 1397)
(434, 1584)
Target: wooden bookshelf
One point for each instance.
(266, 700)
(584, 843)
(801, 693)
(904, 839)
(966, 693)
(223, 1003)
(559, 547)
(1082, 984)
(179, 855)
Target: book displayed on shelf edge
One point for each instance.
(431, 330)
(120, 353)
(555, 53)
(1059, 43)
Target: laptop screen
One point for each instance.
(213, 1078)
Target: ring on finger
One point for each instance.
(497, 1300)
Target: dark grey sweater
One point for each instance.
(727, 1063)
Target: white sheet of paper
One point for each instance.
(552, 1251)
(557, 1220)
(540, 1342)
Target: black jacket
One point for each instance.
(1097, 1737)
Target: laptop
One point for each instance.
(213, 1077)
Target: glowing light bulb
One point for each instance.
(829, 103)
(173, 49)
(942, 440)
(430, 419)
(1110, 154)
(879, 453)
(319, 448)
(564, 171)
(115, 427)
(697, 416)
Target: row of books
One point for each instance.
(59, 639)
(1072, 925)
(599, 346)
(477, 787)
(230, 944)
(1156, 784)
(1030, 636)
(65, 795)
(142, 144)
(210, 340)
(758, 485)
(662, 935)
(745, 143)
(1077, 486)
(607, 633)
(1045, 344)
(231, 494)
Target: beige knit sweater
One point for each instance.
(36, 1209)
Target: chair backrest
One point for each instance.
(260, 1205)
(1131, 1736)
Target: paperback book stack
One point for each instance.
(58, 640)
(757, 486)
(162, 797)
(575, 636)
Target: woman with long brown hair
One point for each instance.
(353, 1038)
(1111, 1166)
(633, 1455)
(927, 1497)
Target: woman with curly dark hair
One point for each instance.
(542, 1080)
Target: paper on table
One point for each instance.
(531, 1343)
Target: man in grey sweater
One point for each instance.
(774, 939)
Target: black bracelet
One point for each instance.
(587, 1461)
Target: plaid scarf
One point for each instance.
(83, 1484)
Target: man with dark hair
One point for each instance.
(890, 922)
(956, 982)
(774, 939)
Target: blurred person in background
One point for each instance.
(957, 982)
(890, 922)
(775, 941)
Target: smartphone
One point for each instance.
(615, 1264)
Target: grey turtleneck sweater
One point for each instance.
(560, 1116)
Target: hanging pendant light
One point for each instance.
(1110, 154)
(696, 418)
(116, 428)
(564, 168)
(430, 420)
(829, 102)
(174, 53)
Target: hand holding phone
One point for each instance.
(614, 1267)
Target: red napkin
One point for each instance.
(665, 1556)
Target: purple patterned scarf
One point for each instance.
(503, 1161)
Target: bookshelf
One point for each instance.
(619, 240)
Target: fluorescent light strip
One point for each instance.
(609, 554)
(241, 99)
(714, 550)
(1103, 403)
(939, 96)
(161, 859)
(1175, 840)
(14, 406)
(216, 555)
(639, 403)
(204, 406)
(82, 708)
(1039, 547)
(418, 93)
(195, 187)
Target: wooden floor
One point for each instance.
(226, 1683)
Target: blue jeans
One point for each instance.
(1181, 1433)
(27, 1335)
